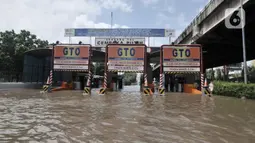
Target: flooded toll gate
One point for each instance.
(181, 115)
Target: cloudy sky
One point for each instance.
(48, 18)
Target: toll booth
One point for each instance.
(117, 82)
(182, 65)
(79, 80)
(120, 82)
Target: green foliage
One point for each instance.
(129, 78)
(218, 74)
(99, 69)
(141, 79)
(12, 48)
(251, 74)
(234, 89)
(210, 74)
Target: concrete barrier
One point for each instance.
(10, 85)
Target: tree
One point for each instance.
(210, 74)
(98, 69)
(12, 48)
(225, 72)
(129, 78)
(218, 74)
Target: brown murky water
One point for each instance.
(128, 117)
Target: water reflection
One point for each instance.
(67, 116)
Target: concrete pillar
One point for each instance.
(167, 82)
(43, 71)
(149, 74)
(109, 79)
(110, 76)
(67, 76)
(190, 78)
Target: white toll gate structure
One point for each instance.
(175, 60)
(104, 41)
(125, 58)
(72, 58)
(183, 62)
(123, 48)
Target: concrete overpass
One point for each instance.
(221, 46)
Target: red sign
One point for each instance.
(185, 52)
(74, 51)
(121, 57)
(71, 57)
(182, 57)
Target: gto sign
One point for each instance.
(102, 42)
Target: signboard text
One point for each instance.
(119, 32)
(183, 59)
(126, 58)
(71, 57)
(104, 41)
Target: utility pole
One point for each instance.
(244, 46)
(111, 19)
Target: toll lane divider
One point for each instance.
(206, 91)
(102, 91)
(87, 91)
(45, 88)
(147, 91)
(184, 72)
(161, 91)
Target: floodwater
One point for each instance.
(127, 117)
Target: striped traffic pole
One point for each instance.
(146, 90)
(102, 90)
(161, 81)
(161, 75)
(89, 79)
(105, 80)
(145, 80)
(202, 81)
(50, 82)
(87, 89)
(161, 84)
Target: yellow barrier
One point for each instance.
(189, 88)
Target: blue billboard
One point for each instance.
(118, 32)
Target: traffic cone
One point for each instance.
(205, 83)
(151, 91)
(46, 87)
(205, 89)
(146, 84)
(48, 80)
(147, 89)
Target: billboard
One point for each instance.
(119, 32)
(103, 42)
(181, 58)
(126, 58)
(71, 57)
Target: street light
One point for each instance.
(244, 46)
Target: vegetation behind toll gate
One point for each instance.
(12, 48)
(234, 89)
(227, 85)
(129, 78)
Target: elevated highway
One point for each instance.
(221, 46)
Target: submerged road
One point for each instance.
(127, 117)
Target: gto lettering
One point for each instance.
(126, 52)
(181, 53)
(71, 51)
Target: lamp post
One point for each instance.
(244, 46)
